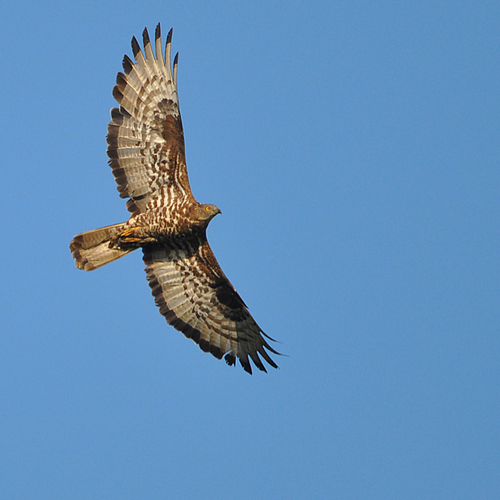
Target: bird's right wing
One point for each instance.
(145, 136)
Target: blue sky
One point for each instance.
(354, 150)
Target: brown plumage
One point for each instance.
(147, 156)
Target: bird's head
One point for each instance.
(204, 212)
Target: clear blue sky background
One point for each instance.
(354, 150)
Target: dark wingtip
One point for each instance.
(117, 94)
(157, 31)
(176, 59)
(116, 115)
(127, 64)
(230, 359)
(121, 80)
(145, 37)
(248, 369)
(169, 36)
(246, 366)
(135, 47)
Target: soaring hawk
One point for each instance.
(146, 153)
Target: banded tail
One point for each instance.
(91, 249)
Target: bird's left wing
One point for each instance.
(197, 299)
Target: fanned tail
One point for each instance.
(91, 249)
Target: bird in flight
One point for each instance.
(147, 156)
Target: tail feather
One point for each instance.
(91, 249)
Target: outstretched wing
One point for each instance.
(197, 299)
(145, 136)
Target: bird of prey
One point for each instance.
(146, 154)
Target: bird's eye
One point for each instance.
(207, 209)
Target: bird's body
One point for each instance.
(147, 156)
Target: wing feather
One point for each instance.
(145, 135)
(197, 299)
